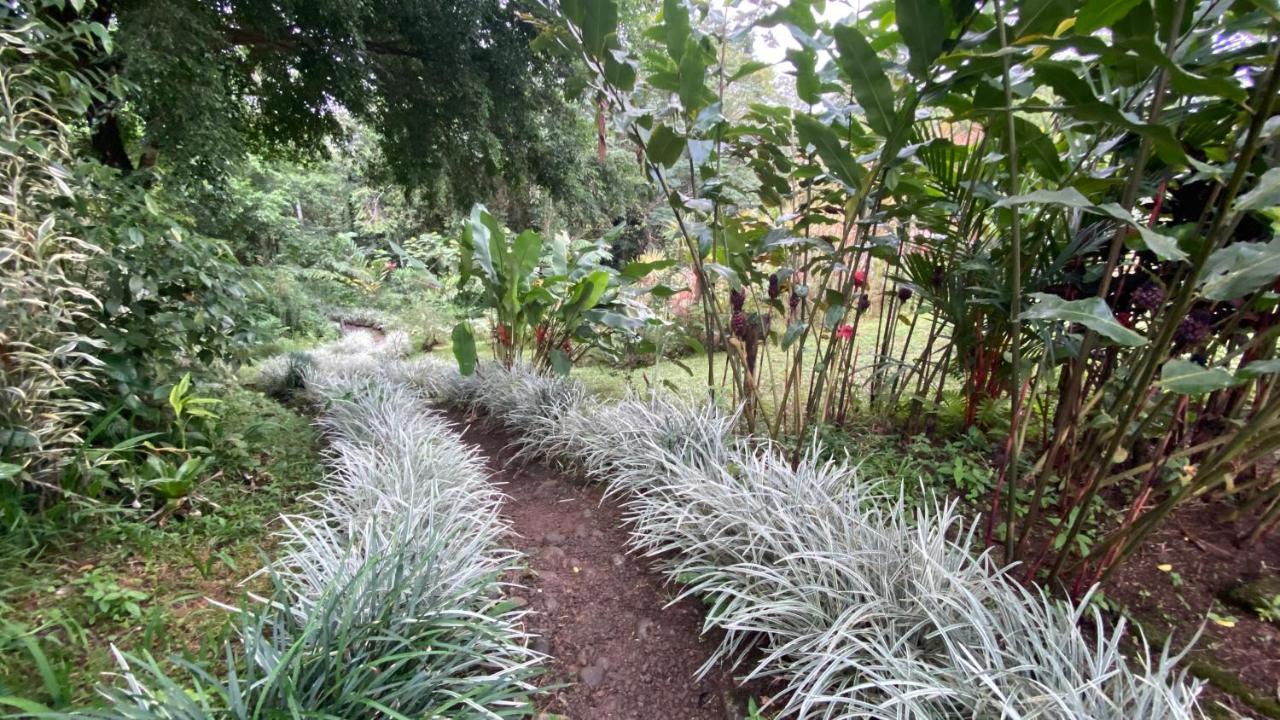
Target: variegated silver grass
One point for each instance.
(387, 597)
(828, 581)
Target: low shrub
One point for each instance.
(387, 599)
(826, 580)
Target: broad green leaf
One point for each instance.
(560, 362)
(839, 161)
(693, 70)
(617, 320)
(675, 27)
(598, 21)
(524, 258)
(619, 72)
(635, 270)
(924, 28)
(833, 316)
(1188, 378)
(1066, 197)
(560, 253)
(1092, 312)
(1257, 368)
(793, 333)
(1041, 16)
(871, 88)
(725, 272)
(1263, 195)
(592, 289)
(1097, 14)
(747, 68)
(9, 471)
(808, 84)
(664, 146)
(464, 348)
(664, 291)
(1239, 269)
(477, 236)
(1164, 247)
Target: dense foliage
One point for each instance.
(1072, 206)
(1043, 231)
(821, 580)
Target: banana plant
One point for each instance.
(553, 300)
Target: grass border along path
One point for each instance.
(387, 599)
(819, 579)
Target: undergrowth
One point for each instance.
(82, 580)
(384, 597)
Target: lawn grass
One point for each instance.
(99, 580)
(687, 376)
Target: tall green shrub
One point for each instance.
(46, 357)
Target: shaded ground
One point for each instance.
(1182, 573)
(618, 650)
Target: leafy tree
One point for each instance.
(454, 94)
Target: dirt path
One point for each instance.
(618, 650)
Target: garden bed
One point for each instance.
(861, 608)
(618, 646)
(1178, 584)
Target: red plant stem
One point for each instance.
(1140, 502)
(1004, 472)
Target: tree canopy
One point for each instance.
(454, 93)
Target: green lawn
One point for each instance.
(687, 377)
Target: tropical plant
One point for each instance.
(47, 357)
(170, 297)
(900, 201)
(545, 299)
(187, 406)
(108, 598)
(821, 580)
(386, 595)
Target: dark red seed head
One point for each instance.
(775, 286)
(1193, 330)
(864, 303)
(904, 293)
(1149, 297)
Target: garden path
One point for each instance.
(619, 650)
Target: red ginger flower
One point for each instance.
(845, 332)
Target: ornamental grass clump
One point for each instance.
(387, 597)
(862, 605)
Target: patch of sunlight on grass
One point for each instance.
(687, 377)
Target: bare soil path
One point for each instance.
(619, 652)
